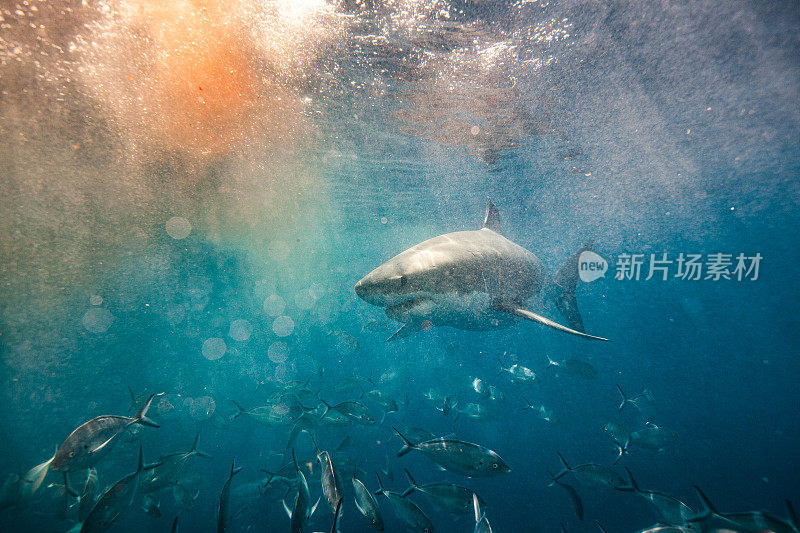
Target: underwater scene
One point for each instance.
(402, 265)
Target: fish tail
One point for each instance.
(327, 408)
(141, 414)
(413, 483)
(234, 470)
(336, 516)
(564, 464)
(140, 466)
(631, 486)
(407, 444)
(195, 450)
(132, 406)
(707, 509)
(380, 484)
(792, 515)
(239, 410)
(624, 398)
(622, 448)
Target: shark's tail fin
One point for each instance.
(565, 283)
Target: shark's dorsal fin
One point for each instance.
(492, 219)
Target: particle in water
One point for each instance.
(97, 319)
(96, 299)
(384, 220)
(214, 348)
(201, 408)
(278, 352)
(240, 330)
(283, 326)
(474, 130)
(274, 305)
(178, 228)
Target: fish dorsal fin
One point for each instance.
(492, 218)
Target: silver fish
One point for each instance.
(302, 510)
(591, 473)
(94, 439)
(114, 501)
(151, 506)
(643, 402)
(668, 510)
(355, 411)
(574, 367)
(407, 510)
(653, 437)
(465, 458)
(223, 506)
(329, 480)
(86, 500)
(169, 469)
(367, 505)
(481, 522)
(446, 496)
(183, 497)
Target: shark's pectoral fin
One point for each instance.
(530, 315)
(405, 331)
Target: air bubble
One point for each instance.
(283, 326)
(278, 352)
(214, 348)
(97, 319)
(178, 228)
(240, 330)
(274, 305)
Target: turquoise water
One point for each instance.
(190, 192)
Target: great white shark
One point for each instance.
(472, 280)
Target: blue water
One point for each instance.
(645, 128)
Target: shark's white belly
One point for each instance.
(472, 311)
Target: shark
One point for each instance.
(472, 280)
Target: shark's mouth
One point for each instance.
(404, 307)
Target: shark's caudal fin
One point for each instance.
(492, 218)
(565, 283)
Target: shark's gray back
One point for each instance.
(472, 261)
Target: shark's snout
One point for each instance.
(380, 288)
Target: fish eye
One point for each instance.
(72, 453)
(495, 466)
